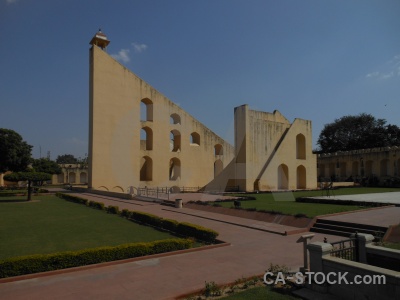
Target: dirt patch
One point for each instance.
(287, 220)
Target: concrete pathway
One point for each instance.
(384, 216)
(250, 253)
(389, 198)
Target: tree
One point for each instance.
(357, 132)
(30, 176)
(66, 159)
(15, 154)
(46, 165)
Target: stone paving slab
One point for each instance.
(251, 252)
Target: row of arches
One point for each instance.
(146, 140)
(72, 177)
(381, 167)
(283, 177)
(174, 168)
(146, 112)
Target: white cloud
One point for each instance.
(139, 47)
(388, 70)
(373, 74)
(123, 56)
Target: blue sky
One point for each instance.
(316, 60)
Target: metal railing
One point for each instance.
(346, 249)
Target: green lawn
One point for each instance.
(284, 202)
(260, 293)
(55, 225)
(395, 246)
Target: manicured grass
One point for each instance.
(55, 225)
(284, 202)
(260, 293)
(395, 246)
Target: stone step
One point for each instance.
(330, 231)
(345, 228)
(351, 225)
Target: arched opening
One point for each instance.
(384, 167)
(321, 169)
(175, 141)
(146, 138)
(283, 177)
(118, 189)
(343, 170)
(102, 188)
(71, 177)
(332, 170)
(146, 169)
(300, 146)
(355, 168)
(218, 150)
(174, 169)
(60, 178)
(175, 119)
(301, 177)
(146, 110)
(369, 165)
(195, 139)
(83, 177)
(218, 167)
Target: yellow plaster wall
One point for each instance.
(115, 125)
(267, 140)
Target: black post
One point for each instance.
(357, 248)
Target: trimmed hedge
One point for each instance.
(48, 262)
(146, 218)
(72, 198)
(184, 229)
(196, 231)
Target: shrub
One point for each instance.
(169, 224)
(113, 210)
(196, 231)
(96, 205)
(146, 218)
(72, 198)
(48, 262)
(126, 213)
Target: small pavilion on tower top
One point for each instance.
(100, 40)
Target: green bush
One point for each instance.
(146, 218)
(96, 205)
(113, 209)
(169, 224)
(72, 198)
(47, 262)
(126, 213)
(196, 231)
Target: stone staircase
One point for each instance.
(346, 228)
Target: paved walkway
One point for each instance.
(389, 198)
(250, 253)
(384, 216)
